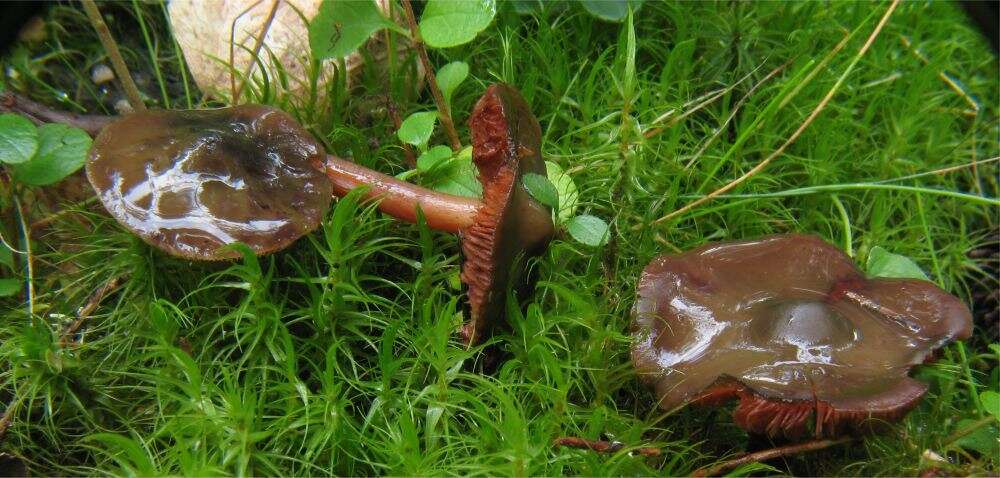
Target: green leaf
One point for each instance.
(568, 194)
(417, 128)
(448, 23)
(589, 230)
(983, 439)
(18, 139)
(433, 157)
(459, 177)
(9, 287)
(882, 263)
(991, 402)
(449, 77)
(610, 10)
(341, 27)
(542, 190)
(61, 151)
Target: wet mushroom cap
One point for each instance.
(788, 325)
(506, 144)
(190, 182)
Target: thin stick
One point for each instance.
(443, 111)
(805, 124)
(41, 114)
(256, 50)
(83, 313)
(117, 61)
(601, 446)
(771, 454)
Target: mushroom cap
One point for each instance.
(189, 182)
(506, 144)
(788, 325)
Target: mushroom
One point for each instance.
(189, 182)
(792, 329)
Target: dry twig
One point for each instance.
(601, 446)
(771, 454)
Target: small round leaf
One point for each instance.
(568, 194)
(589, 230)
(61, 151)
(882, 263)
(416, 129)
(18, 139)
(542, 190)
(432, 158)
(448, 23)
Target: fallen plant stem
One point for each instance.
(40, 114)
(443, 112)
(88, 308)
(805, 124)
(29, 268)
(770, 454)
(602, 446)
(117, 61)
(256, 50)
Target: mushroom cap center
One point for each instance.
(805, 324)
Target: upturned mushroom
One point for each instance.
(790, 327)
(192, 182)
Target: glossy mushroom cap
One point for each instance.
(190, 182)
(789, 326)
(506, 144)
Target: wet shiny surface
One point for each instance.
(789, 316)
(190, 182)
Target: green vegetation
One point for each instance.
(337, 356)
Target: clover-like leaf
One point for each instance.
(568, 194)
(61, 151)
(542, 190)
(449, 77)
(18, 139)
(341, 27)
(448, 23)
(417, 128)
(882, 263)
(433, 158)
(589, 230)
(458, 176)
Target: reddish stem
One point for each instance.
(400, 199)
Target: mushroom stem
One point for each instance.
(400, 199)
